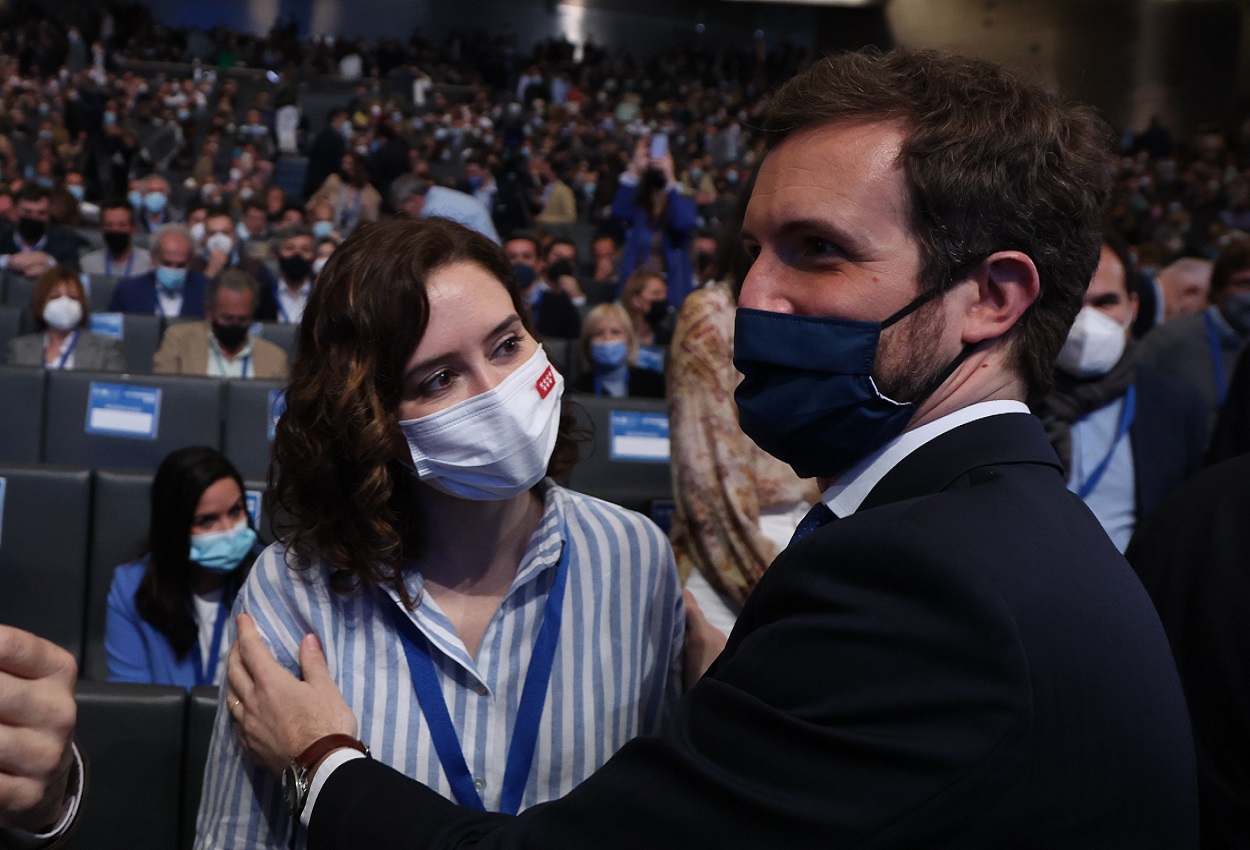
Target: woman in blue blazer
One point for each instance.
(659, 221)
(167, 612)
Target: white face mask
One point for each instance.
(219, 242)
(63, 313)
(495, 445)
(1095, 344)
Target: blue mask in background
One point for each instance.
(609, 354)
(171, 280)
(322, 229)
(154, 202)
(223, 551)
(135, 197)
(807, 396)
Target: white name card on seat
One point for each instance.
(122, 410)
(639, 437)
(107, 324)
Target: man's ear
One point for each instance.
(1007, 284)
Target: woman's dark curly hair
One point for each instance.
(340, 478)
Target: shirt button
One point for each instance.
(479, 689)
(480, 785)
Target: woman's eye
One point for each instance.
(511, 345)
(438, 382)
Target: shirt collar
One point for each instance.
(845, 495)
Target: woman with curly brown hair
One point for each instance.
(497, 636)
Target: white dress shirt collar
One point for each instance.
(847, 493)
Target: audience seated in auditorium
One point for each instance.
(63, 339)
(221, 346)
(349, 192)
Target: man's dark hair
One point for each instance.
(118, 205)
(31, 191)
(993, 163)
(1233, 259)
(559, 240)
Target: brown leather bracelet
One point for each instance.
(324, 746)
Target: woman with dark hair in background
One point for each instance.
(62, 340)
(167, 612)
(349, 192)
(470, 608)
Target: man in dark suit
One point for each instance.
(1126, 433)
(33, 246)
(950, 654)
(172, 288)
(327, 151)
(553, 312)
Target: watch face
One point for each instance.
(292, 788)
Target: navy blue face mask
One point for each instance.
(807, 396)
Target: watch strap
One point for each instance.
(322, 747)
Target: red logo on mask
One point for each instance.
(546, 383)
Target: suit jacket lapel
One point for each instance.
(1005, 438)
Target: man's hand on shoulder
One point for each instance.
(37, 716)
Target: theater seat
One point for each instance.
(21, 423)
(627, 461)
(189, 414)
(247, 415)
(201, 712)
(133, 737)
(43, 550)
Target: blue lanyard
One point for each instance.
(1217, 356)
(67, 351)
(108, 263)
(1126, 421)
(204, 675)
(529, 712)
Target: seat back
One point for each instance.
(95, 419)
(281, 334)
(133, 736)
(44, 525)
(102, 287)
(201, 714)
(19, 289)
(10, 325)
(627, 461)
(21, 419)
(249, 408)
(119, 534)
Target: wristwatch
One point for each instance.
(295, 775)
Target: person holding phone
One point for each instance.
(658, 217)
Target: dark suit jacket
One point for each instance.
(1168, 436)
(966, 662)
(138, 295)
(62, 245)
(643, 383)
(557, 316)
(1193, 556)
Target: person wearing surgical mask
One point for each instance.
(172, 289)
(168, 611)
(33, 245)
(1126, 433)
(285, 300)
(445, 573)
(154, 207)
(120, 256)
(62, 340)
(222, 250)
(609, 351)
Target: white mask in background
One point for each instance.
(318, 264)
(197, 232)
(219, 242)
(63, 313)
(495, 445)
(1094, 345)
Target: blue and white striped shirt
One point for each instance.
(616, 672)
